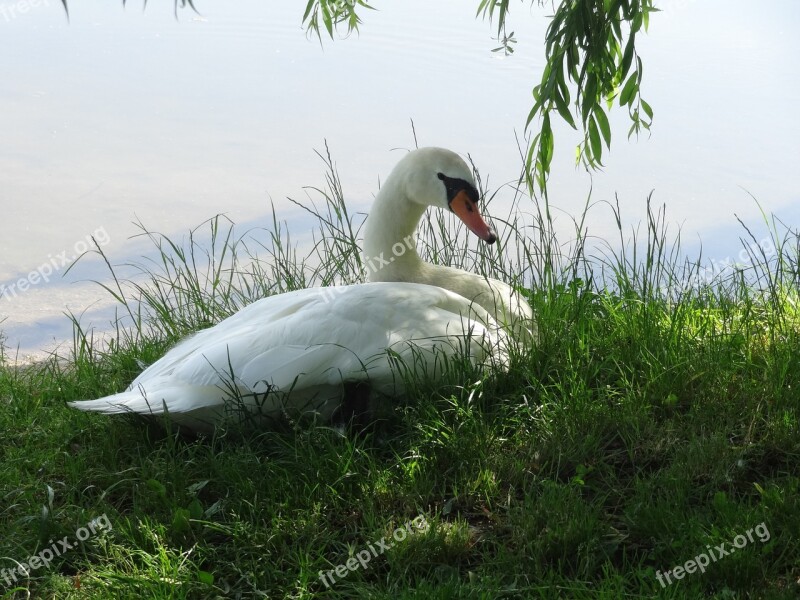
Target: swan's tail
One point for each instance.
(173, 399)
(124, 402)
(196, 407)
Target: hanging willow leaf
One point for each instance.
(646, 107)
(626, 96)
(563, 109)
(594, 140)
(602, 122)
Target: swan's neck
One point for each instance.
(390, 249)
(390, 245)
(390, 254)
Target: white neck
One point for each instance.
(390, 254)
(390, 249)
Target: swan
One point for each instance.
(297, 352)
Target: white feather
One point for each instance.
(276, 344)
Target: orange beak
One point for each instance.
(467, 211)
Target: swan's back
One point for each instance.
(293, 352)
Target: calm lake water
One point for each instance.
(124, 115)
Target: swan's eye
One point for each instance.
(454, 185)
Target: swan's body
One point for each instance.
(278, 344)
(294, 352)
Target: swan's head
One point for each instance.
(440, 178)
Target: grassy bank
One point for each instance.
(656, 420)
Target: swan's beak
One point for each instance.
(467, 211)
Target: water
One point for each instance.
(125, 115)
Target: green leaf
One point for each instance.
(180, 520)
(546, 143)
(616, 24)
(563, 110)
(533, 113)
(602, 122)
(627, 57)
(589, 99)
(195, 509)
(205, 577)
(647, 110)
(573, 60)
(637, 23)
(326, 17)
(529, 158)
(563, 89)
(308, 9)
(628, 90)
(594, 140)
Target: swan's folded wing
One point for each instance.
(307, 342)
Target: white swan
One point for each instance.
(297, 351)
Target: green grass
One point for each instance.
(652, 420)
